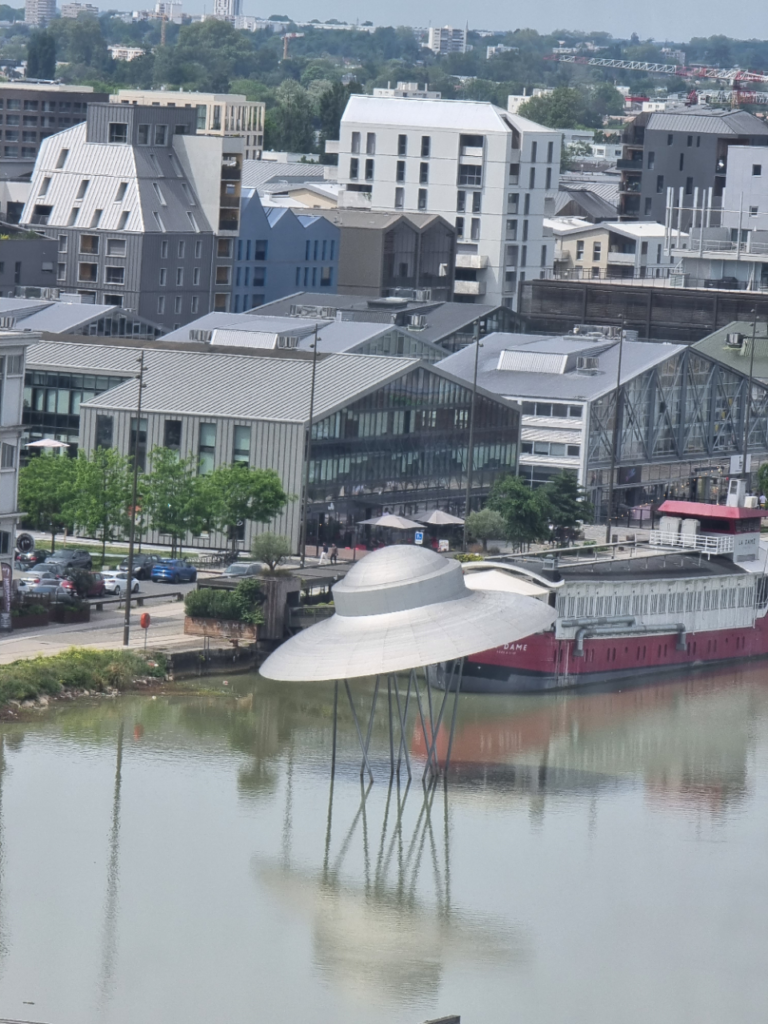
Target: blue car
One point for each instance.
(174, 570)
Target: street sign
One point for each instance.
(418, 537)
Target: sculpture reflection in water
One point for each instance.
(384, 922)
(402, 609)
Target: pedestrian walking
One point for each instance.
(334, 554)
(324, 555)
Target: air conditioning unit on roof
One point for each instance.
(288, 342)
(199, 335)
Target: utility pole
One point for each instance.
(134, 494)
(615, 441)
(308, 451)
(471, 445)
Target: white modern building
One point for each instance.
(485, 170)
(407, 90)
(447, 39)
(126, 53)
(227, 8)
(228, 114)
(39, 13)
(12, 351)
(74, 10)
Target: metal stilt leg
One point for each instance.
(335, 726)
(456, 693)
(359, 733)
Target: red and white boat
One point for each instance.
(696, 595)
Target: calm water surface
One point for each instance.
(600, 858)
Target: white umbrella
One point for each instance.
(438, 518)
(47, 442)
(395, 522)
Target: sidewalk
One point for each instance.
(104, 632)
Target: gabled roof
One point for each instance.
(704, 120)
(260, 174)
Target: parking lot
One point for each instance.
(147, 587)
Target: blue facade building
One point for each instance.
(279, 252)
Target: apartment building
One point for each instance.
(142, 220)
(685, 150)
(74, 10)
(447, 39)
(30, 112)
(223, 114)
(12, 349)
(618, 249)
(38, 13)
(483, 169)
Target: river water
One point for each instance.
(599, 858)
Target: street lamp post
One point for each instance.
(308, 450)
(134, 495)
(471, 444)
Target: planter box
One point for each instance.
(63, 615)
(28, 621)
(221, 629)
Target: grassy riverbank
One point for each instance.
(76, 669)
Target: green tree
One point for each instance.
(41, 55)
(237, 494)
(569, 506)
(293, 118)
(525, 511)
(102, 494)
(270, 548)
(46, 486)
(331, 106)
(485, 525)
(171, 498)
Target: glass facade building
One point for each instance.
(403, 447)
(52, 403)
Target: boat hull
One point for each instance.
(542, 662)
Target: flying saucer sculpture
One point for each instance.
(402, 609)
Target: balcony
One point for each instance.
(332, 146)
(473, 152)
(632, 185)
(469, 288)
(630, 165)
(625, 258)
(708, 543)
(470, 261)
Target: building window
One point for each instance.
(532, 178)
(543, 255)
(643, 248)
(757, 170)
(88, 272)
(118, 132)
(670, 139)
(370, 144)
(182, 250)
(143, 136)
(659, 184)
(241, 446)
(123, 219)
(423, 174)
(196, 276)
(579, 250)
(513, 202)
(402, 145)
(400, 171)
(470, 175)
(689, 186)
(355, 146)
(63, 154)
(61, 272)
(354, 165)
(422, 203)
(512, 230)
(207, 447)
(753, 211)
(63, 243)
(83, 188)
(682, 161)
(89, 244)
(8, 456)
(161, 134)
(548, 180)
(534, 151)
(369, 170)
(179, 277)
(523, 258)
(95, 218)
(195, 304)
(172, 435)
(475, 229)
(177, 304)
(525, 230)
(648, 205)
(326, 277)
(138, 441)
(426, 145)
(224, 248)
(399, 198)
(159, 194)
(104, 430)
(115, 275)
(74, 213)
(115, 247)
(198, 250)
(597, 251)
(161, 304)
(163, 278)
(651, 161)
(514, 174)
(260, 249)
(122, 188)
(223, 275)
(476, 201)
(527, 204)
(459, 227)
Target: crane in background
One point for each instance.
(735, 78)
(286, 37)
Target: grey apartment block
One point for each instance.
(686, 150)
(130, 226)
(27, 263)
(31, 112)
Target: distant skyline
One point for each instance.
(657, 19)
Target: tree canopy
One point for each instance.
(46, 490)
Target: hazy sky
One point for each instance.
(658, 19)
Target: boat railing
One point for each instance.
(707, 543)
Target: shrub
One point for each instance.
(79, 668)
(239, 605)
(270, 548)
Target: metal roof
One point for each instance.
(78, 357)
(241, 323)
(591, 203)
(573, 385)
(456, 115)
(725, 122)
(260, 174)
(738, 359)
(66, 317)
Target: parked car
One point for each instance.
(29, 559)
(174, 570)
(77, 559)
(35, 576)
(54, 590)
(116, 582)
(242, 569)
(142, 566)
(85, 583)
